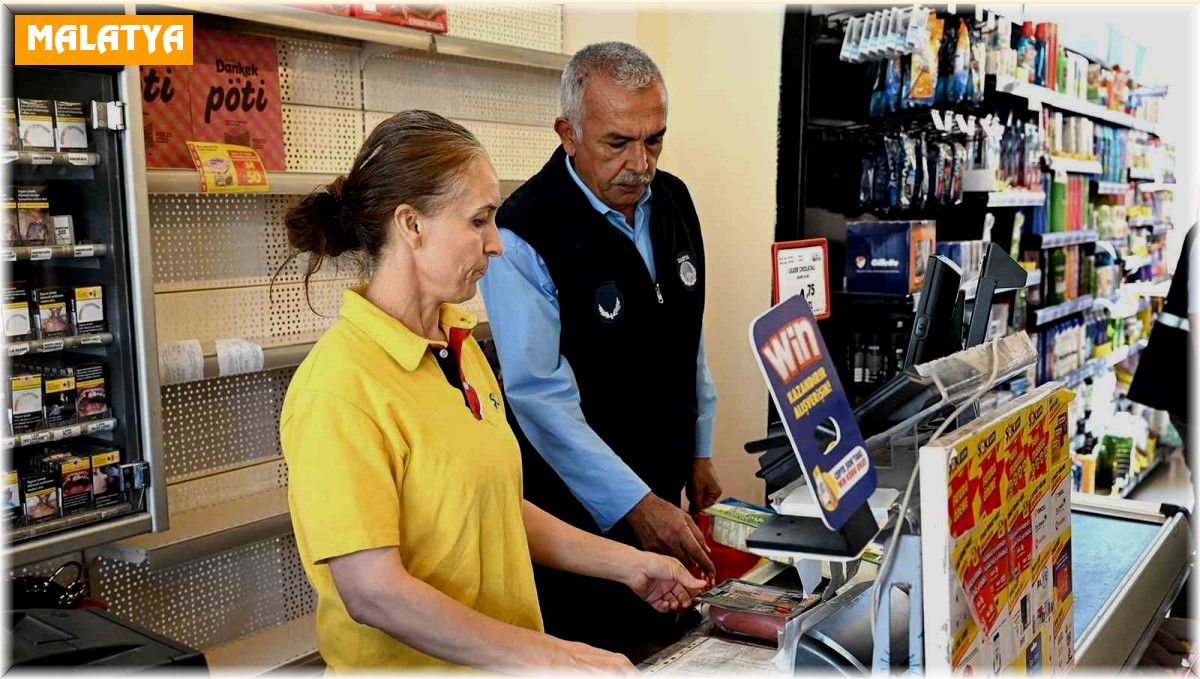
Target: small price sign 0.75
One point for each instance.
(802, 268)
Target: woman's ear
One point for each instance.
(407, 226)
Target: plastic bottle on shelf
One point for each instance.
(1040, 56)
(1058, 276)
(1026, 53)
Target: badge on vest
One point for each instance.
(609, 302)
(688, 274)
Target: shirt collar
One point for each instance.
(598, 204)
(402, 344)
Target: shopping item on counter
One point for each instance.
(8, 119)
(87, 310)
(36, 124)
(17, 323)
(734, 520)
(70, 126)
(33, 217)
(337, 10)
(106, 474)
(10, 496)
(888, 257)
(758, 611)
(430, 18)
(50, 307)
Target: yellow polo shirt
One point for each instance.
(382, 451)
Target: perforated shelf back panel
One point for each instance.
(517, 151)
(269, 316)
(212, 600)
(211, 241)
(223, 423)
(319, 74)
(461, 88)
(319, 139)
(536, 27)
(216, 489)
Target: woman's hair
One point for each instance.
(414, 157)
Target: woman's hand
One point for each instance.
(663, 582)
(574, 657)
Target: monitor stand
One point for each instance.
(809, 537)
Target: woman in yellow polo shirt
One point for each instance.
(405, 479)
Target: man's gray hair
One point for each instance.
(625, 64)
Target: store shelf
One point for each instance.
(1047, 241)
(49, 158)
(280, 356)
(288, 645)
(1053, 313)
(210, 530)
(281, 183)
(1140, 477)
(1142, 174)
(1063, 102)
(1075, 165)
(58, 433)
(1111, 188)
(520, 56)
(72, 521)
(1016, 198)
(46, 252)
(284, 16)
(60, 344)
(83, 535)
(1156, 186)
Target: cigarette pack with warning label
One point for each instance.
(58, 400)
(36, 124)
(50, 306)
(33, 216)
(11, 497)
(87, 310)
(17, 323)
(106, 474)
(25, 399)
(90, 386)
(40, 490)
(70, 126)
(12, 224)
(8, 119)
(75, 481)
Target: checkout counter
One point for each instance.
(1130, 560)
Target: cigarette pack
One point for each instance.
(8, 119)
(25, 395)
(17, 324)
(59, 400)
(50, 305)
(33, 205)
(70, 126)
(36, 124)
(87, 310)
(106, 475)
(12, 223)
(11, 497)
(40, 485)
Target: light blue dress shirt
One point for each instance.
(522, 306)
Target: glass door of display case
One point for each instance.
(82, 433)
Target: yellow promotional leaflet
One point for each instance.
(226, 168)
(997, 589)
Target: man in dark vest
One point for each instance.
(596, 309)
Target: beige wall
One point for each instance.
(722, 71)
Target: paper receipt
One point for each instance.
(236, 356)
(180, 362)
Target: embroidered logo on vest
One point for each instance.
(687, 271)
(609, 302)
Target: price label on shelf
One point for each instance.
(40, 254)
(7, 255)
(35, 438)
(19, 349)
(79, 159)
(9, 156)
(102, 425)
(801, 268)
(41, 158)
(227, 168)
(52, 345)
(91, 340)
(70, 432)
(85, 250)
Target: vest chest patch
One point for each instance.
(609, 302)
(688, 274)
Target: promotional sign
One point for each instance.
(802, 268)
(816, 414)
(225, 168)
(101, 40)
(230, 95)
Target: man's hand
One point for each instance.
(664, 528)
(662, 582)
(704, 489)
